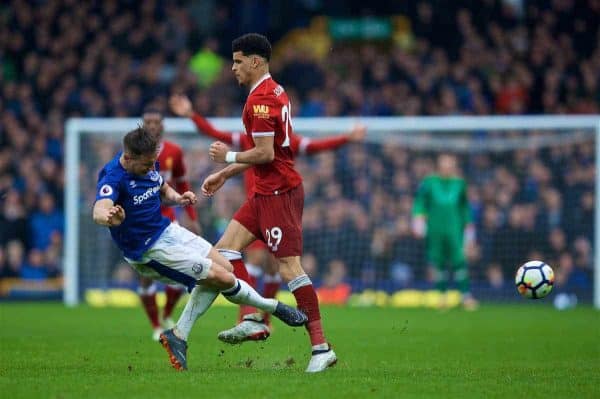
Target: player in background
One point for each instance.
(273, 213)
(441, 215)
(173, 170)
(257, 257)
(130, 192)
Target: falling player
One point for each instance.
(274, 211)
(257, 256)
(172, 169)
(129, 195)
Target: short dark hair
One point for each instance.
(252, 43)
(140, 142)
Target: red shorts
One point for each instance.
(275, 219)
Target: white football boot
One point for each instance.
(252, 328)
(321, 360)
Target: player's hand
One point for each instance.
(187, 198)
(115, 216)
(217, 151)
(358, 133)
(419, 227)
(181, 105)
(212, 183)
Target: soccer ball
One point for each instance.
(534, 279)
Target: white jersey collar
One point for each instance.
(262, 79)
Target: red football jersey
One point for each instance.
(172, 169)
(299, 145)
(267, 113)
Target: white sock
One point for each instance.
(242, 293)
(200, 300)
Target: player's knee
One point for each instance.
(220, 259)
(220, 278)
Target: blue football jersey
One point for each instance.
(140, 198)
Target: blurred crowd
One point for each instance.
(67, 58)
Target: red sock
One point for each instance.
(173, 294)
(149, 302)
(270, 290)
(307, 301)
(240, 271)
(246, 309)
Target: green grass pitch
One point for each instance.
(499, 351)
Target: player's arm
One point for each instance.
(182, 106)
(265, 116)
(216, 180)
(313, 146)
(262, 152)
(170, 197)
(419, 211)
(106, 213)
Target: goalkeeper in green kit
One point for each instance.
(441, 214)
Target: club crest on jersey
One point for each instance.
(106, 190)
(154, 175)
(261, 111)
(132, 183)
(197, 268)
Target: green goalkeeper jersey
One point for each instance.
(443, 201)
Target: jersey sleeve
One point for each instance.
(264, 113)
(108, 187)
(205, 127)
(313, 146)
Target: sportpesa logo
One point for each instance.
(138, 199)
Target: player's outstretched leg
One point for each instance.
(242, 293)
(252, 326)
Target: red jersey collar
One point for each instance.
(262, 79)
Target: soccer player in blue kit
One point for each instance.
(129, 194)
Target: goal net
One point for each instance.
(531, 187)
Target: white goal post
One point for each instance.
(310, 127)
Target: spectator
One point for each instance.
(45, 222)
(60, 61)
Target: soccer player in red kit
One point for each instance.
(172, 169)
(258, 258)
(274, 211)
